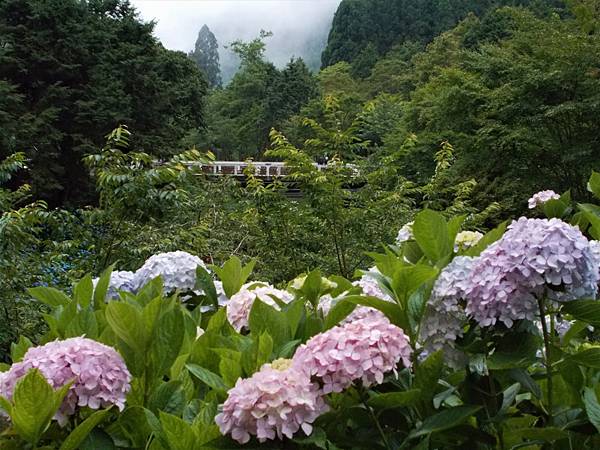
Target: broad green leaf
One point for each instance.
(454, 225)
(34, 404)
(78, 435)
(445, 420)
(168, 397)
(394, 399)
(233, 275)
(555, 208)
(49, 296)
(84, 291)
(431, 233)
(101, 287)
(134, 424)
(488, 239)
(585, 310)
(338, 312)
(311, 288)
(178, 434)
(84, 322)
(294, 313)
(391, 310)
(427, 374)
(525, 381)
(18, 349)
(594, 184)
(592, 407)
(98, 440)
(547, 434)
(587, 358)
(266, 318)
(407, 280)
(166, 340)
(205, 282)
(230, 370)
(265, 349)
(209, 378)
(126, 322)
(594, 221)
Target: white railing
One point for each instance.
(236, 168)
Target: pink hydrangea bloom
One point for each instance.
(100, 377)
(542, 197)
(240, 304)
(364, 350)
(275, 402)
(535, 257)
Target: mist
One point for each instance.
(300, 27)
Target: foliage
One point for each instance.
(518, 386)
(71, 71)
(361, 30)
(258, 98)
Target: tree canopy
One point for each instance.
(70, 71)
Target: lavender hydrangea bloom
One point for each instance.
(275, 402)
(177, 269)
(120, 280)
(542, 197)
(100, 377)
(240, 304)
(535, 257)
(444, 316)
(405, 233)
(364, 350)
(595, 247)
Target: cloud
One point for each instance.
(299, 27)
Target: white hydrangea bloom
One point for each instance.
(405, 233)
(177, 269)
(120, 280)
(466, 239)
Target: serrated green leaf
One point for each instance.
(395, 399)
(592, 407)
(209, 378)
(79, 434)
(445, 420)
(431, 233)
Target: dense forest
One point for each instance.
(200, 301)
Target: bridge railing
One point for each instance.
(236, 168)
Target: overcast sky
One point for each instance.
(296, 24)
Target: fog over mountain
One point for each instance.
(299, 27)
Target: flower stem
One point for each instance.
(547, 360)
(374, 417)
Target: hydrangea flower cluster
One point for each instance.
(363, 350)
(177, 269)
(276, 401)
(100, 376)
(444, 315)
(240, 304)
(369, 287)
(466, 239)
(542, 197)
(535, 257)
(120, 280)
(595, 248)
(405, 233)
